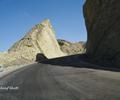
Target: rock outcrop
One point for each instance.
(40, 39)
(102, 19)
(72, 48)
(11, 59)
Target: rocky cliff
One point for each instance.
(40, 39)
(102, 19)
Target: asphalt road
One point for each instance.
(48, 82)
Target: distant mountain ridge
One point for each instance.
(72, 48)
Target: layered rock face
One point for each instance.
(40, 39)
(72, 48)
(102, 19)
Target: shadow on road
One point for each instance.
(81, 61)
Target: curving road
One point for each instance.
(48, 82)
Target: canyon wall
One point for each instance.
(102, 18)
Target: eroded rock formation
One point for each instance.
(72, 48)
(40, 39)
(102, 19)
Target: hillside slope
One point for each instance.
(72, 48)
(40, 39)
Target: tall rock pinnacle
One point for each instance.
(40, 39)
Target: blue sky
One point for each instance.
(17, 17)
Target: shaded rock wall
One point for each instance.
(102, 19)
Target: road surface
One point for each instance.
(48, 82)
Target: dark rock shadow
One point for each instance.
(40, 57)
(80, 60)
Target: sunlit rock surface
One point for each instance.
(40, 39)
(71, 48)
